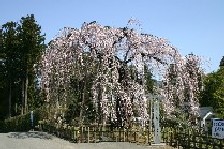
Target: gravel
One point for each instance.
(41, 140)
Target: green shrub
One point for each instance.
(2, 126)
(23, 122)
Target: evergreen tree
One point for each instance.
(9, 54)
(31, 47)
(21, 45)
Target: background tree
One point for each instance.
(31, 47)
(149, 80)
(21, 45)
(10, 54)
(213, 92)
(2, 78)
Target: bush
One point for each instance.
(2, 126)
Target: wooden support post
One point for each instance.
(84, 134)
(189, 141)
(194, 140)
(137, 136)
(102, 127)
(128, 135)
(220, 144)
(81, 134)
(119, 134)
(75, 135)
(88, 134)
(206, 141)
(95, 133)
(124, 135)
(116, 134)
(201, 140)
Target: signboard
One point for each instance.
(218, 129)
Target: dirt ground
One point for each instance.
(36, 140)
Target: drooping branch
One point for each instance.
(113, 53)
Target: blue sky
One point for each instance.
(190, 25)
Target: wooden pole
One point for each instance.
(95, 133)
(88, 134)
(81, 134)
(124, 135)
(116, 134)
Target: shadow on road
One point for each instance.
(30, 134)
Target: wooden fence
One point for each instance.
(179, 138)
(190, 139)
(99, 134)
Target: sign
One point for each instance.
(218, 129)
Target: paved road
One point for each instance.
(39, 140)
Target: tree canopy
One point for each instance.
(213, 93)
(21, 47)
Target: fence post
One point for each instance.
(220, 144)
(124, 134)
(88, 133)
(128, 134)
(75, 134)
(213, 144)
(138, 135)
(174, 139)
(194, 139)
(81, 134)
(116, 134)
(201, 140)
(171, 138)
(189, 141)
(183, 142)
(78, 134)
(72, 133)
(177, 137)
(119, 134)
(206, 141)
(95, 134)
(101, 131)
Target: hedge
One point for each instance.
(22, 122)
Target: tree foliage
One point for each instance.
(21, 48)
(31, 48)
(213, 93)
(10, 54)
